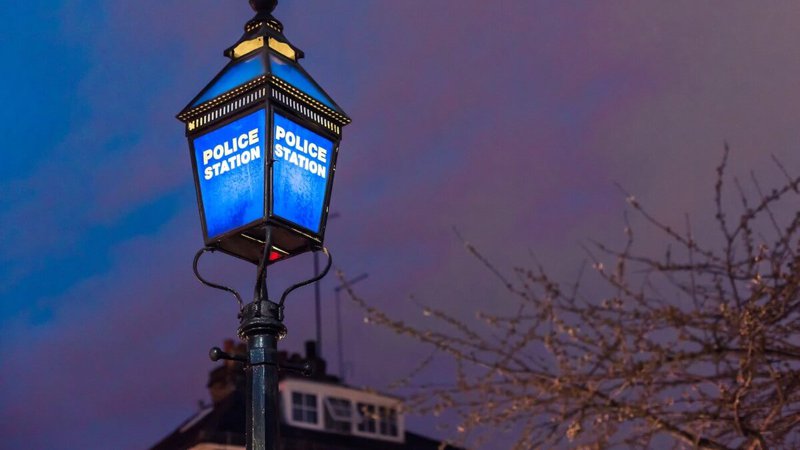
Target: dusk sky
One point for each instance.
(509, 120)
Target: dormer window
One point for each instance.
(343, 410)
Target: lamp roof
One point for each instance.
(263, 55)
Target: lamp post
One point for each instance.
(263, 139)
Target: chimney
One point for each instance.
(311, 350)
(320, 367)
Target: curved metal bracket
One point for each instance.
(312, 280)
(210, 284)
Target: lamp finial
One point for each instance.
(263, 6)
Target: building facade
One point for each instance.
(317, 413)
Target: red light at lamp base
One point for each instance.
(275, 255)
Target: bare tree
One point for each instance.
(697, 348)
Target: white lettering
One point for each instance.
(255, 153)
(299, 160)
(301, 147)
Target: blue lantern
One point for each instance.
(263, 138)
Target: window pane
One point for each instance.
(304, 407)
(338, 415)
(393, 423)
(339, 408)
(363, 411)
(382, 413)
(311, 401)
(371, 425)
(297, 415)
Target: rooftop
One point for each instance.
(318, 412)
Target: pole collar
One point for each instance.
(262, 317)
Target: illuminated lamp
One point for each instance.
(263, 138)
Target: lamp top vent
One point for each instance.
(263, 6)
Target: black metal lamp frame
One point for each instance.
(261, 327)
(261, 321)
(273, 95)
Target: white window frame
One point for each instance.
(355, 396)
(290, 407)
(350, 418)
(385, 420)
(380, 418)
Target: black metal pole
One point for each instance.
(261, 326)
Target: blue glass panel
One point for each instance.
(300, 173)
(234, 76)
(294, 76)
(230, 167)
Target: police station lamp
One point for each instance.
(264, 137)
